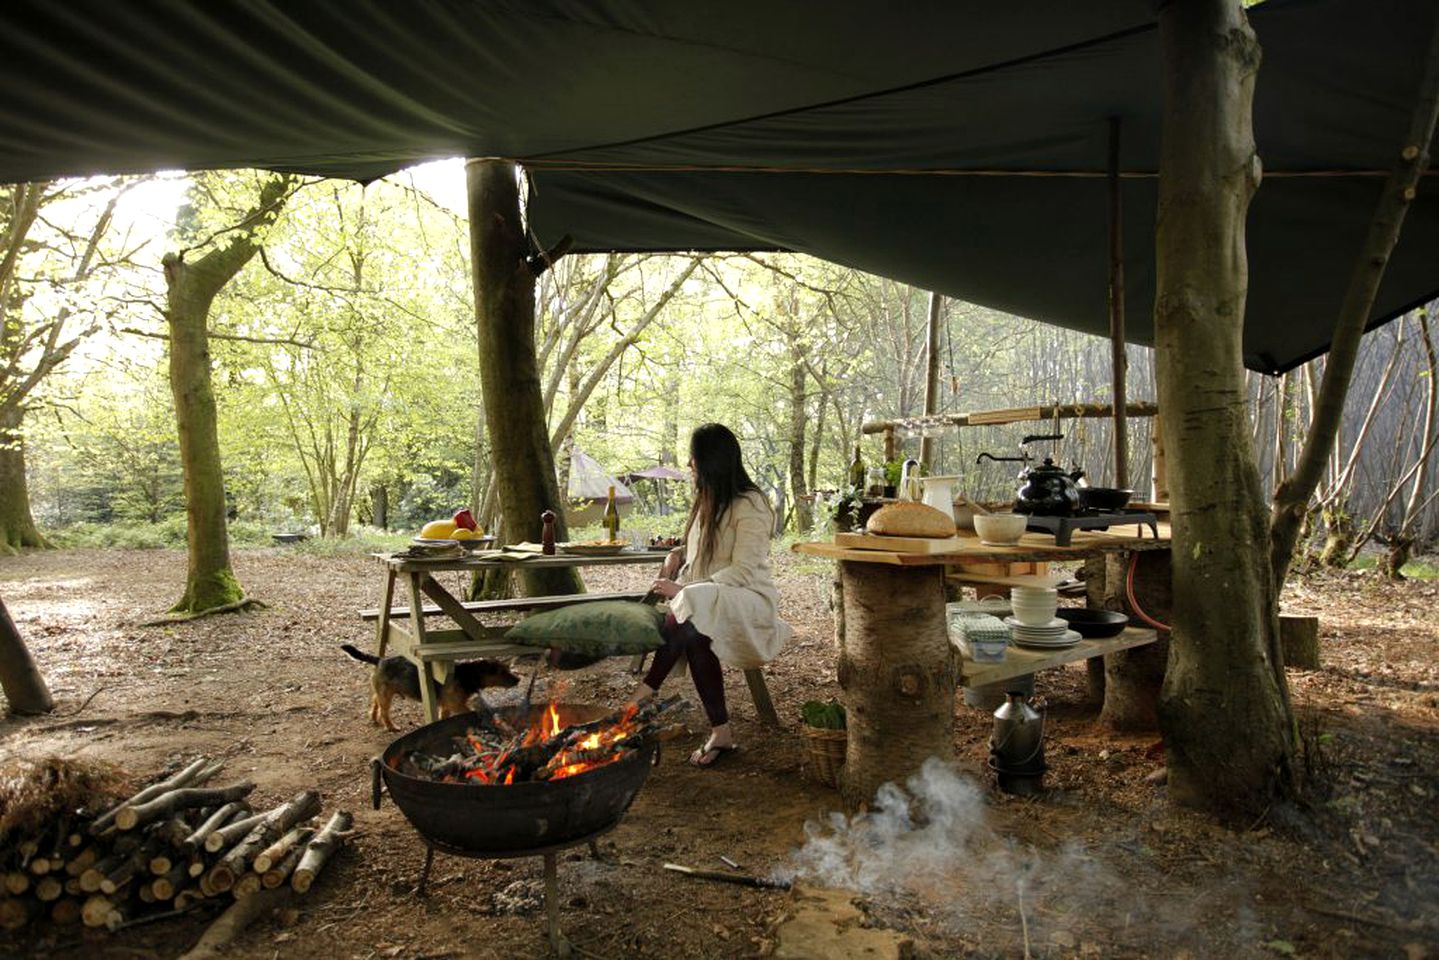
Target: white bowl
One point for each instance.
(999, 529)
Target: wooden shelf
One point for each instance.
(1021, 661)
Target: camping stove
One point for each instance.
(1063, 527)
(502, 821)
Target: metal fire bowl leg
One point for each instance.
(558, 942)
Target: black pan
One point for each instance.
(1093, 624)
(1104, 498)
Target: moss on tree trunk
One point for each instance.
(17, 525)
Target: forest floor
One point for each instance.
(1100, 865)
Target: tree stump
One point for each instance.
(897, 671)
(1133, 678)
(1299, 638)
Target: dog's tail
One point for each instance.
(359, 654)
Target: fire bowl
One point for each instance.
(519, 820)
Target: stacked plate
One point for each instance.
(1052, 635)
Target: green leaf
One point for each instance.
(1279, 946)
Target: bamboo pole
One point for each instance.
(931, 378)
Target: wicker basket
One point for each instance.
(826, 753)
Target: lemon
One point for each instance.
(439, 530)
(463, 534)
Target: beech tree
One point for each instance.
(191, 287)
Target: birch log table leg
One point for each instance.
(897, 672)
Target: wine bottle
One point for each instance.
(610, 519)
(856, 470)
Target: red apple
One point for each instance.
(463, 518)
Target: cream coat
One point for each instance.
(732, 598)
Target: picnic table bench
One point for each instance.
(403, 630)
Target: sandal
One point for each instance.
(715, 754)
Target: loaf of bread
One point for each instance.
(910, 519)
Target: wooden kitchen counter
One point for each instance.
(1032, 547)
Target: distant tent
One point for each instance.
(659, 475)
(588, 489)
(658, 472)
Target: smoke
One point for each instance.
(928, 854)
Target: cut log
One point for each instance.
(49, 889)
(232, 833)
(96, 910)
(197, 865)
(15, 912)
(16, 882)
(39, 866)
(319, 850)
(82, 861)
(131, 816)
(281, 871)
(232, 923)
(167, 886)
(146, 893)
(65, 912)
(196, 839)
(278, 850)
(72, 887)
(174, 830)
(897, 672)
(185, 777)
(272, 826)
(188, 897)
(1299, 638)
(246, 886)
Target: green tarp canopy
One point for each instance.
(956, 145)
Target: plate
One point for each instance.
(1055, 626)
(593, 549)
(1069, 639)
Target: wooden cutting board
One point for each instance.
(925, 545)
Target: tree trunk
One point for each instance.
(1134, 678)
(1338, 536)
(380, 506)
(17, 526)
(897, 671)
(190, 290)
(1223, 709)
(509, 371)
(1291, 500)
(20, 678)
(798, 419)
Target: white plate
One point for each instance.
(1069, 639)
(1056, 626)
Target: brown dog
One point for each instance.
(397, 676)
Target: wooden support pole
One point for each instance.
(931, 378)
(1116, 311)
(1159, 471)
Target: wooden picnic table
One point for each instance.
(897, 668)
(403, 631)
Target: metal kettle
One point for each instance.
(1016, 748)
(1048, 491)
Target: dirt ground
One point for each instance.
(1101, 865)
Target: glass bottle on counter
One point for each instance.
(610, 519)
(856, 470)
(874, 482)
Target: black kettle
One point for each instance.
(1048, 491)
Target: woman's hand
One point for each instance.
(666, 588)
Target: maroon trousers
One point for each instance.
(683, 640)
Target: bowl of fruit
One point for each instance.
(460, 529)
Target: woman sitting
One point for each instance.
(723, 604)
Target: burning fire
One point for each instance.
(495, 753)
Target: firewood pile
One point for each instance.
(493, 751)
(71, 854)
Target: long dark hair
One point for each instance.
(720, 479)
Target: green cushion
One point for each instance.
(604, 628)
